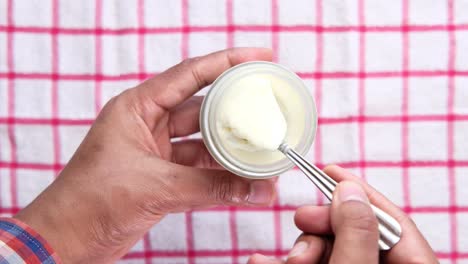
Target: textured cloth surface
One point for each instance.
(390, 79)
(21, 244)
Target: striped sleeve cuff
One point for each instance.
(19, 243)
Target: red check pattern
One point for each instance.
(390, 79)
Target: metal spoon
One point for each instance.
(389, 228)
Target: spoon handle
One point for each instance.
(389, 228)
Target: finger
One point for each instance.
(184, 119)
(308, 249)
(354, 225)
(340, 174)
(178, 83)
(201, 188)
(261, 259)
(412, 247)
(193, 153)
(313, 219)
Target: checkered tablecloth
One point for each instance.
(390, 79)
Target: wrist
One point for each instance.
(85, 225)
(50, 216)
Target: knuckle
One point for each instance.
(123, 100)
(359, 217)
(111, 104)
(222, 188)
(198, 78)
(207, 160)
(405, 220)
(184, 63)
(190, 61)
(171, 125)
(192, 65)
(230, 57)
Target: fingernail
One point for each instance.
(350, 191)
(298, 249)
(261, 192)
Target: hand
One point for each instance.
(346, 231)
(126, 175)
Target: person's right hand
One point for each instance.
(346, 231)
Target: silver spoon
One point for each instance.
(389, 228)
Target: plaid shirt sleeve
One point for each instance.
(19, 243)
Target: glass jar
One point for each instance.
(296, 103)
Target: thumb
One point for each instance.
(355, 226)
(210, 187)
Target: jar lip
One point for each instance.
(208, 136)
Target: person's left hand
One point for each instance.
(127, 174)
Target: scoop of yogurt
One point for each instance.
(252, 119)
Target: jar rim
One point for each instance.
(233, 165)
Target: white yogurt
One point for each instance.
(252, 119)
(265, 110)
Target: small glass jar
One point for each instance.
(297, 105)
